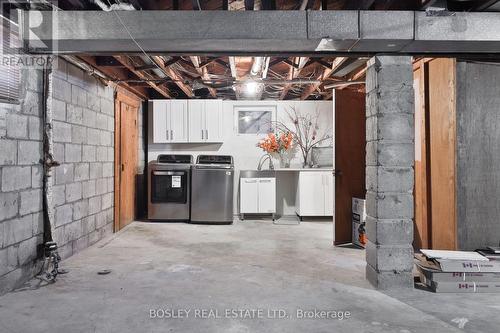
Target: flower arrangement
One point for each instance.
(305, 131)
(276, 142)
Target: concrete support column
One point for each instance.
(389, 171)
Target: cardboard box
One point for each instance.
(439, 276)
(462, 266)
(358, 233)
(359, 208)
(463, 287)
(359, 222)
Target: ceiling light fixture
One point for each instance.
(251, 87)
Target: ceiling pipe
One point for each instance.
(343, 84)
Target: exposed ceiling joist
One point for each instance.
(358, 74)
(159, 88)
(107, 61)
(176, 77)
(145, 67)
(293, 73)
(203, 73)
(324, 75)
(116, 73)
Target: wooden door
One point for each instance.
(442, 154)
(422, 237)
(126, 140)
(350, 142)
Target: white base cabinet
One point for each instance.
(314, 194)
(258, 196)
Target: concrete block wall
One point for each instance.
(389, 171)
(84, 145)
(21, 219)
(83, 184)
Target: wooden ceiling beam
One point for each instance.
(203, 73)
(293, 73)
(159, 88)
(107, 61)
(116, 73)
(207, 62)
(291, 63)
(358, 74)
(276, 61)
(326, 74)
(145, 67)
(176, 77)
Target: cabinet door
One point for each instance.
(178, 121)
(196, 117)
(213, 121)
(160, 130)
(312, 195)
(249, 194)
(328, 176)
(267, 195)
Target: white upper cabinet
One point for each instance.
(196, 120)
(178, 121)
(159, 112)
(213, 120)
(169, 121)
(205, 120)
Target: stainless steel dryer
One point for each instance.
(169, 188)
(212, 189)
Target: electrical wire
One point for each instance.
(133, 39)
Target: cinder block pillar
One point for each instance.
(389, 171)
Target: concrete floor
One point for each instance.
(247, 265)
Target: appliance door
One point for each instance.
(212, 195)
(169, 186)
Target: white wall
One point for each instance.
(244, 148)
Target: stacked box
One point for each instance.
(459, 276)
(359, 222)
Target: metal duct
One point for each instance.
(271, 32)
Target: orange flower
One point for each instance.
(276, 143)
